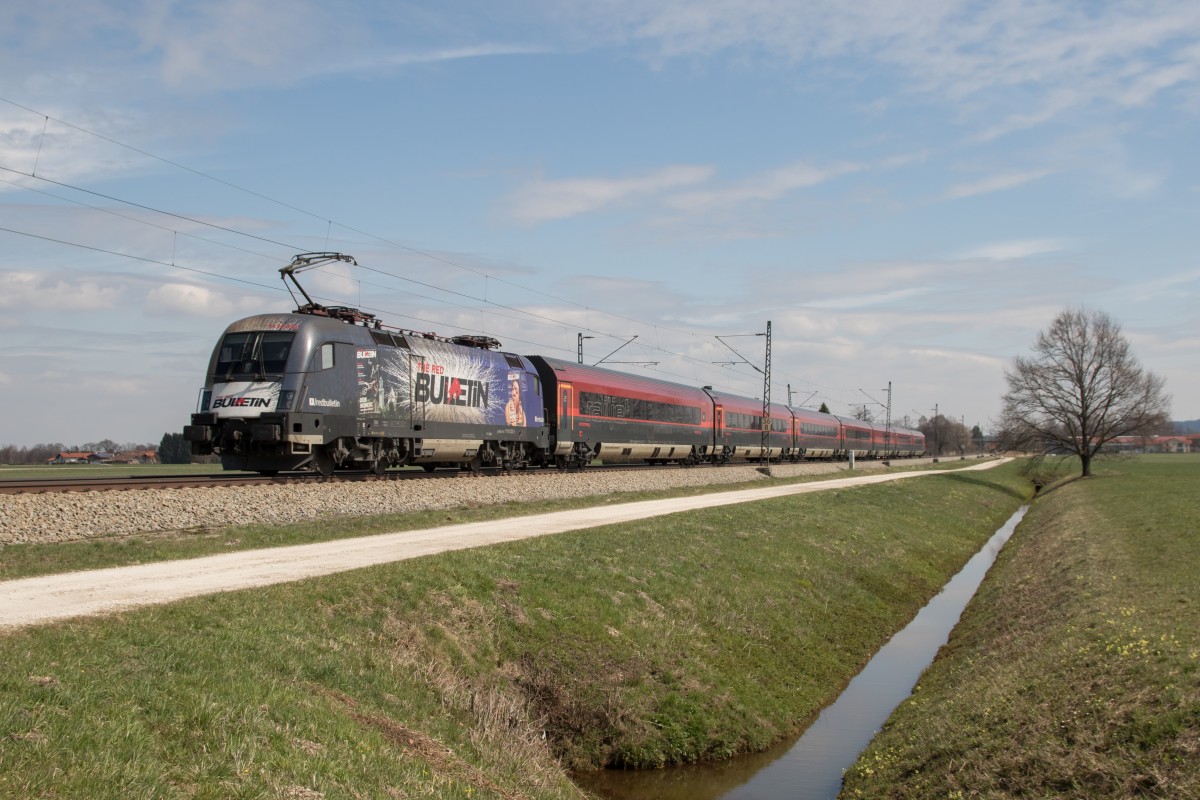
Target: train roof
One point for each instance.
(645, 385)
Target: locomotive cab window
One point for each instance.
(255, 353)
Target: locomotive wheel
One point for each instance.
(429, 467)
(323, 462)
(379, 466)
(475, 465)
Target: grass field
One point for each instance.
(1075, 671)
(484, 673)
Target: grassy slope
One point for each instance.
(1075, 672)
(480, 673)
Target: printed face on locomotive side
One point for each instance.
(439, 382)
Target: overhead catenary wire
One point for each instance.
(115, 213)
(696, 362)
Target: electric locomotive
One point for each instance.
(329, 388)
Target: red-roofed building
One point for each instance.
(1154, 444)
(75, 458)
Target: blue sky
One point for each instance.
(909, 192)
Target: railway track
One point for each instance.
(220, 479)
(125, 482)
(214, 480)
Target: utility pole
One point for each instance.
(887, 431)
(766, 373)
(766, 431)
(580, 347)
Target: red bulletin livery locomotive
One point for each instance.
(330, 388)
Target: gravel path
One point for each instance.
(32, 601)
(60, 517)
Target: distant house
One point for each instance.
(1153, 444)
(73, 458)
(1171, 444)
(136, 457)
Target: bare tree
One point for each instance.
(942, 434)
(1081, 389)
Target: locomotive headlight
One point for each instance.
(285, 400)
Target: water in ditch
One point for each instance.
(810, 768)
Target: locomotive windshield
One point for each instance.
(254, 353)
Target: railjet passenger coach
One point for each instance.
(330, 388)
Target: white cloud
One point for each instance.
(414, 57)
(333, 283)
(543, 200)
(947, 356)
(868, 300)
(132, 49)
(188, 300)
(1055, 55)
(1011, 250)
(1057, 102)
(115, 386)
(996, 183)
(24, 290)
(226, 43)
(766, 186)
(1118, 54)
(1180, 284)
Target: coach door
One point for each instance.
(566, 419)
(718, 428)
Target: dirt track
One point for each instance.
(32, 601)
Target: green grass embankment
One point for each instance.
(1075, 671)
(484, 673)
